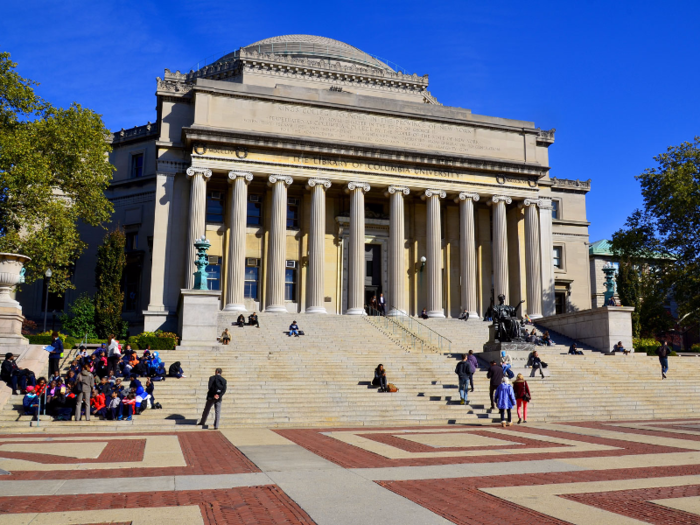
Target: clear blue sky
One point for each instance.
(618, 80)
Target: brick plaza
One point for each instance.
(580, 473)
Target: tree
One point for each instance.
(80, 318)
(53, 174)
(627, 280)
(109, 298)
(663, 239)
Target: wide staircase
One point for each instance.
(322, 379)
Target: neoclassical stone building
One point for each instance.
(322, 176)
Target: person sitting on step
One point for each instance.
(30, 403)
(226, 337)
(424, 314)
(620, 348)
(573, 350)
(241, 321)
(253, 320)
(294, 329)
(380, 378)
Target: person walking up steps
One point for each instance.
(495, 374)
(217, 389)
(475, 366)
(505, 400)
(522, 397)
(663, 352)
(463, 372)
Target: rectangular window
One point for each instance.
(557, 257)
(215, 206)
(290, 284)
(132, 241)
(251, 282)
(254, 216)
(214, 273)
(292, 214)
(137, 166)
(555, 209)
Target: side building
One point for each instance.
(323, 177)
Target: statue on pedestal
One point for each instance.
(505, 321)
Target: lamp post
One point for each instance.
(48, 275)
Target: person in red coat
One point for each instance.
(522, 396)
(97, 404)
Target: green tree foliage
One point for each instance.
(627, 280)
(53, 174)
(80, 318)
(662, 240)
(109, 298)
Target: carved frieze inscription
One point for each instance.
(363, 128)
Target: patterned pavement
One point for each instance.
(601, 473)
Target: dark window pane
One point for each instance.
(555, 209)
(290, 286)
(254, 217)
(137, 166)
(292, 216)
(215, 207)
(251, 290)
(214, 273)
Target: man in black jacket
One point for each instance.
(217, 389)
(663, 352)
(463, 372)
(495, 374)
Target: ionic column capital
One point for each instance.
(355, 185)
(495, 199)
(204, 172)
(529, 202)
(233, 175)
(440, 194)
(325, 183)
(545, 203)
(280, 178)
(465, 195)
(391, 190)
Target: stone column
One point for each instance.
(276, 248)
(198, 215)
(533, 270)
(317, 243)
(356, 248)
(499, 245)
(235, 260)
(433, 265)
(397, 267)
(467, 249)
(546, 247)
(161, 225)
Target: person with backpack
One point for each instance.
(495, 374)
(215, 393)
(475, 366)
(663, 352)
(464, 371)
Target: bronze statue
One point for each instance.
(505, 321)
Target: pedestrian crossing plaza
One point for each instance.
(612, 472)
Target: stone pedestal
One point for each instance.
(199, 313)
(11, 317)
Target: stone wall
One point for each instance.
(600, 328)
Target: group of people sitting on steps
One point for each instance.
(240, 322)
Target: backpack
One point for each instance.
(392, 388)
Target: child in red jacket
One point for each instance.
(128, 406)
(97, 404)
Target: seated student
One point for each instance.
(16, 378)
(105, 387)
(30, 403)
(75, 367)
(226, 336)
(574, 351)
(176, 371)
(101, 348)
(140, 369)
(380, 378)
(55, 376)
(240, 321)
(547, 340)
(424, 314)
(82, 353)
(40, 387)
(464, 316)
(111, 378)
(253, 320)
(294, 329)
(128, 407)
(150, 388)
(506, 363)
(97, 404)
(114, 407)
(140, 394)
(620, 348)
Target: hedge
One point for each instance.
(46, 339)
(157, 340)
(647, 346)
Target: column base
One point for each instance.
(355, 311)
(234, 307)
(276, 309)
(316, 310)
(474, 315)
(437, 314)
(536, 316)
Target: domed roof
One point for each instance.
(311, 46)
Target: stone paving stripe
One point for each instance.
(184, 515)
(466, 470)
(91, 450)
(251, 437)
(691, 504)
(221, 481)
(340, 497)
(269, 458)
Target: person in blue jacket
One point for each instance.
(505, 400)
(30, 403)
(55, 354)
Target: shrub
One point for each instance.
(29, 327)
(157, 340)
(647, 346)
(80, 318)
(695, 348)
(45, 339)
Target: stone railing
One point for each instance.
(133, 133)
(572, 184)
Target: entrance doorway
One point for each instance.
(373, 271)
